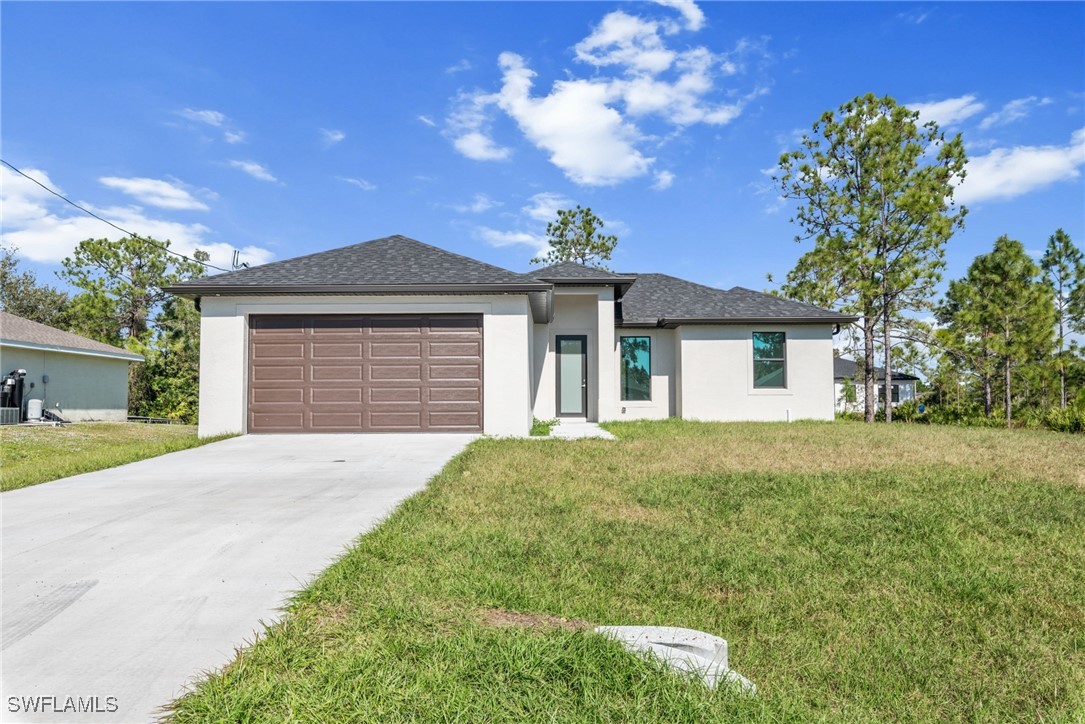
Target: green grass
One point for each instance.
(32, 455)
(859, 573)
(542, 428)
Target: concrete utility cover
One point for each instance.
(684, 650)
(127, 582)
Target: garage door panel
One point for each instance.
(354, 373)
(454, 372)
(346, 351)
(336, 394)
(345, 371)
(455, 349)
(282, 373)
(408, 350)
(379, 395)
(395, 372)
(292, 395)
(455, 394)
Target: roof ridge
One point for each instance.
(437, 248)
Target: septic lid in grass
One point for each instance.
(682, 649)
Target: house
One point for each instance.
(394, 335)
(850, 393)
(75, 378)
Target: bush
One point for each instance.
(1072, 419)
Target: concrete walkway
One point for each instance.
(128, 582)
(575, 429)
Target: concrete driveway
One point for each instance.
(122, 585)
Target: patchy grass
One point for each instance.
(859, 573)
(542, 428)
(32, 455)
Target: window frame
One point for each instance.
(621, 368)
(782, 360)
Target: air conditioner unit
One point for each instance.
(9, 415)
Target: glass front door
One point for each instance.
(572, 376)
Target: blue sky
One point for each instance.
(282, 129)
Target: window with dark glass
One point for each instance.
(636, 376)
(769, 360)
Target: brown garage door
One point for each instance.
(373, 373)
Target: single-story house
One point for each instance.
(394, 335)
(76, 378)
(851, 394)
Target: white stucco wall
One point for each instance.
(577, 311)
(80, 388)
(715, 364)
(506, 366)
(664, 379)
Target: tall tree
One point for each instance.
(875, 193)
(22, 295)
(1064, 270)
(1004, 309)
(123, 303)
(576, 235)
(122, 284)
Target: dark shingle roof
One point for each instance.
(661, 297)
(391, 261)
(18, 331)
(844, 368)
(574, 271)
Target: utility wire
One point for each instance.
(64, 198)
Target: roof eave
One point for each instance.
(672, 322)
(190, 290)
(20, 344)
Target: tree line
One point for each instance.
(120, 301)
(874, 192)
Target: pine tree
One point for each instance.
(1064, 271)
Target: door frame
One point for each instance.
(583, 374)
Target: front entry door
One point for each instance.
(572, 376)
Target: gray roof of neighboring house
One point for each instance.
(845, 368)
(669, 301)
(397, 264)
(19, 332)
(393, 262)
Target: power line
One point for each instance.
(64, 198)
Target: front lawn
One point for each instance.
(859, 573)
(32, 455)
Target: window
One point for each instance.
(895, 392)
(769, 360)
(636, 369)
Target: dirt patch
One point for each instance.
(539, 622)
(329, 615)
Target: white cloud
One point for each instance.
(544, 207)
(234, 136)
(330, 137)
(155, 192)
(628, 41)
(664, 180)
(46, 230)
(948, 112)
(208, 117)
(1013, 111)
(693, 15)
(1005, 173)
(588, 126)
(428, 121)
(915, 17)
(481, 203)
(493, 237)
(256, 170)
(359, 182)
(459, 67)
(479, 147)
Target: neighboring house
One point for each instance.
(847, 375)
(76, 378)
(394, 335)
